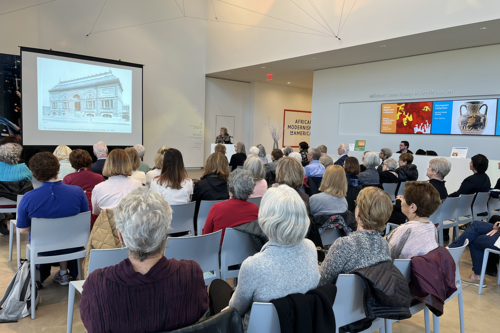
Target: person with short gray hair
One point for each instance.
(342, 151)
(314, 168)
(101, 152)
(389, 174)
(384, 154)
(370, 176)
(262, 154)
(254, 151)
(237, 210)
(143, 220)
(256, 167)
(288, 150)
(438, 169)
(141, 151)
(287, 263)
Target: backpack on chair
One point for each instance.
(16, 302)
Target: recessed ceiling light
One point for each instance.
(289, 82)
(483, 28)
(382, 45)
(313, 58)
(263, 67)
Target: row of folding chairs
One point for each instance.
(394, 189)
(348, 306)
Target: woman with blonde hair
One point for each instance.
(158, 165)
(333, 189)
(135, 161)
(62, 154)
(255, 165)
(108, 194)
(173, 182)
(239, 158)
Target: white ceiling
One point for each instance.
(299, 71)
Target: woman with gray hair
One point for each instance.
(370, 176)
(388, 173)
(438, 169)
(288, 151)
(255, 165)
(262, 154)
(287, 264)
(167, 294)
(237, 210)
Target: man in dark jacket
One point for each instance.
(101, 152)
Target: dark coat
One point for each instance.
(407, 172)
(347, 216)
(478, 182)
(253, 229)
(314, 183)
(352, 194)
(309, 313)
(340, 161)
(388, 177)
(433, 278)
(209, 187)
(10, 190)
(237, 160)
(97, 166)
(439, 185)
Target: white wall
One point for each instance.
(343, 110)
(278, 29)
(172, 51)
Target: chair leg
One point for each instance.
(18, 246)
(80, 277)
(461, 311)
(33, 298)
(71, 303)
(427, 320)
(441, 237)
(456, 233)
(388, 325)
(11, 238)
(483, 270)
(435, 323)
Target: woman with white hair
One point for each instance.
(62, 154)
(370, 176)
(146, 292)
(287, 264)
(389, 174)
(438, 169)
(237, 210)
(297, 156)
(253, 151)
(255, 165)
(141, 151)
(262, 154)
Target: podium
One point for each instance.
(229, 150)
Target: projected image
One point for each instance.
(474, 117)
(84, 98)
(415, 118)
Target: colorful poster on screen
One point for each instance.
(408, 118)
(296, 127)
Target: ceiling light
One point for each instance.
(313, 58)
(483, 28)
(382, 45)
(263, 67)
(289, 82)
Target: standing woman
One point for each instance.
(62, 154)
(239, 158)
(173, 182)
(223, 137)
(136, 163)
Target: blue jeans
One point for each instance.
(478, 242)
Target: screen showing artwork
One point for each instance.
(463, 117)
(72, 100)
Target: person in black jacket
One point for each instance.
(239, 158)
(479, 181)
(101, 152)
(388, 173)
(438, 169)
(406, 171)
(213, 183)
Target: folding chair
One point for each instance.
(264, 319)
(391, 189)
(205, 206)
(464, 208)
(255, 201)
(480, 205)
(447, 218)
(57, 234)
(483, 268)
(13, 225)
(182, 218)
(202, 249)
(493, 206)
(401, 187)
(236, 247)
(331, 235)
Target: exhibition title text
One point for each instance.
(301, 127)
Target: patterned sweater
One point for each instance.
(412, 239)
(360, 249)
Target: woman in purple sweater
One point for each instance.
(146, 292)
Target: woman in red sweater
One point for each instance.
(237, 210)
(146, 292)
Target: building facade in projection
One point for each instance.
(97, 95)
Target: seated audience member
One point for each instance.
(363, 247)
(420, 152)
(362, 166)
(237, 210)
(10, 139)
(220, 148)
(276, 154)
(288, 150)
(342, 151)
(101, 152)
(304, 153)
(351, 167)
(146, 292)
(262, 154)
(239, 158)
(82, 162)
(388, 173)
(403, 148)
(326, 161)
(333, 189)
(437, 170)
(141, 151)
(213, 183)
(314, 168)
(297, 156)
(62, 154)
(417, 237)
(254, 164)
(370, 176)
(135, 161)
(158, 160)
(108, 194)
(290, 172)
(406, 171)
(322, 149)
(481, 236)
(384, 154)
(431, 153)
(52, 200)
(479, 181)
(287, 264)
(253, 151)
(173, 182)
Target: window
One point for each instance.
(90, 104)
(107, 104)
(54, 105)
(65, 105)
